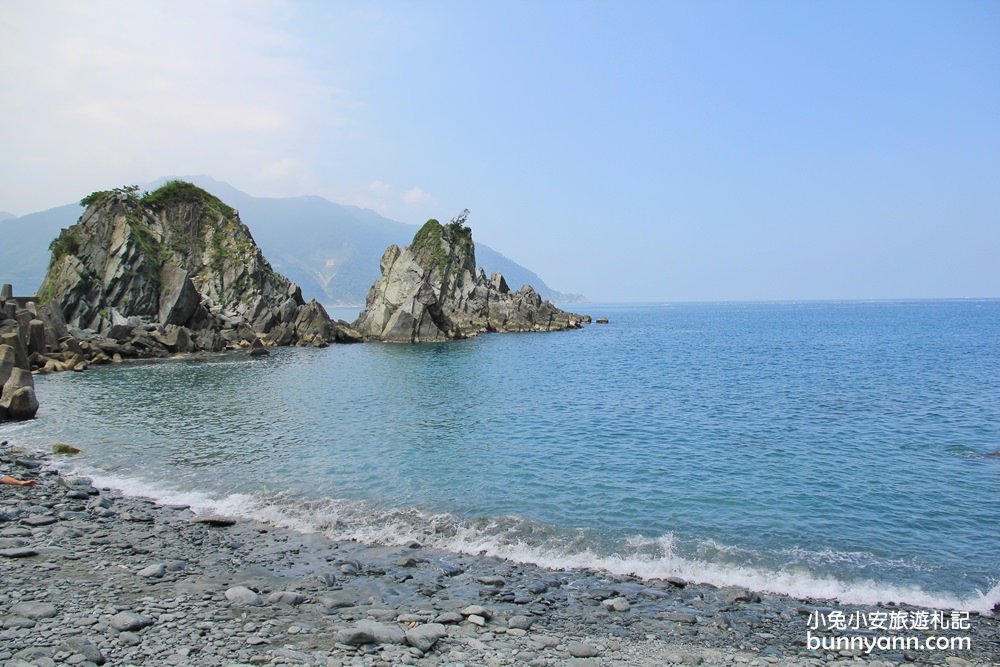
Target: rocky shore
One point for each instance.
(91, 577)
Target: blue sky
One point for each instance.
(660, 151)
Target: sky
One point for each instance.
(630, 151)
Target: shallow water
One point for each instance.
(818, 449)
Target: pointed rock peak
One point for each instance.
(432, 291)
(447, 248)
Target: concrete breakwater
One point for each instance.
(94, 577)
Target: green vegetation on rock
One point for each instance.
(439, 244)
(126, 193)
(65, 244)
(182, 192)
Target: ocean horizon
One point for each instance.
(820, 449)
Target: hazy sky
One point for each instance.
(698, 150)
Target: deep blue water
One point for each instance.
(830, 449)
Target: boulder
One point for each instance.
(257, 349)
(18, 396)
(13, 339)
(178, 296)
(36, 339)
(7, 363)
(23, 404)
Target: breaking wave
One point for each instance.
(523, 540)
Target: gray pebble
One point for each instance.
(34, 610)
(582, 650)
(125, 621)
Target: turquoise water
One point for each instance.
(818, 449)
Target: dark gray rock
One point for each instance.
(355, 636)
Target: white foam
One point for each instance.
(647, 558)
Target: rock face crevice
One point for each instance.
(431, 291)
(181, 259)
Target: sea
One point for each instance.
(829, 450)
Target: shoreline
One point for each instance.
(91, 574)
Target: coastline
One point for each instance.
(91, 574)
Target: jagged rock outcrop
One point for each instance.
(432, 291)
(175, 270)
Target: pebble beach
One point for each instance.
(90, 577)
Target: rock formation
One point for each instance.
(175, 270)
(18, 328)
(432, 291)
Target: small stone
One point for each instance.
(80, 646)
(355, 636)
(129, 639)
(492, 581)
(476, 619)
(582, 650)
(286, 597)
(679, 617)
(325, 578)
(382, 632)
(955, 661)
(520, 622)
(34, 610)
(39, 521)
(212, 520)
(477, 610)
(155, 571)
(616, 604)
(332, 604)
(18, 622)
(537, 588)
(449, 617)
(129, 621)
(425, 636)
(18, 552)
(241, 595)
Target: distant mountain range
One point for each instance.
(332, 251)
